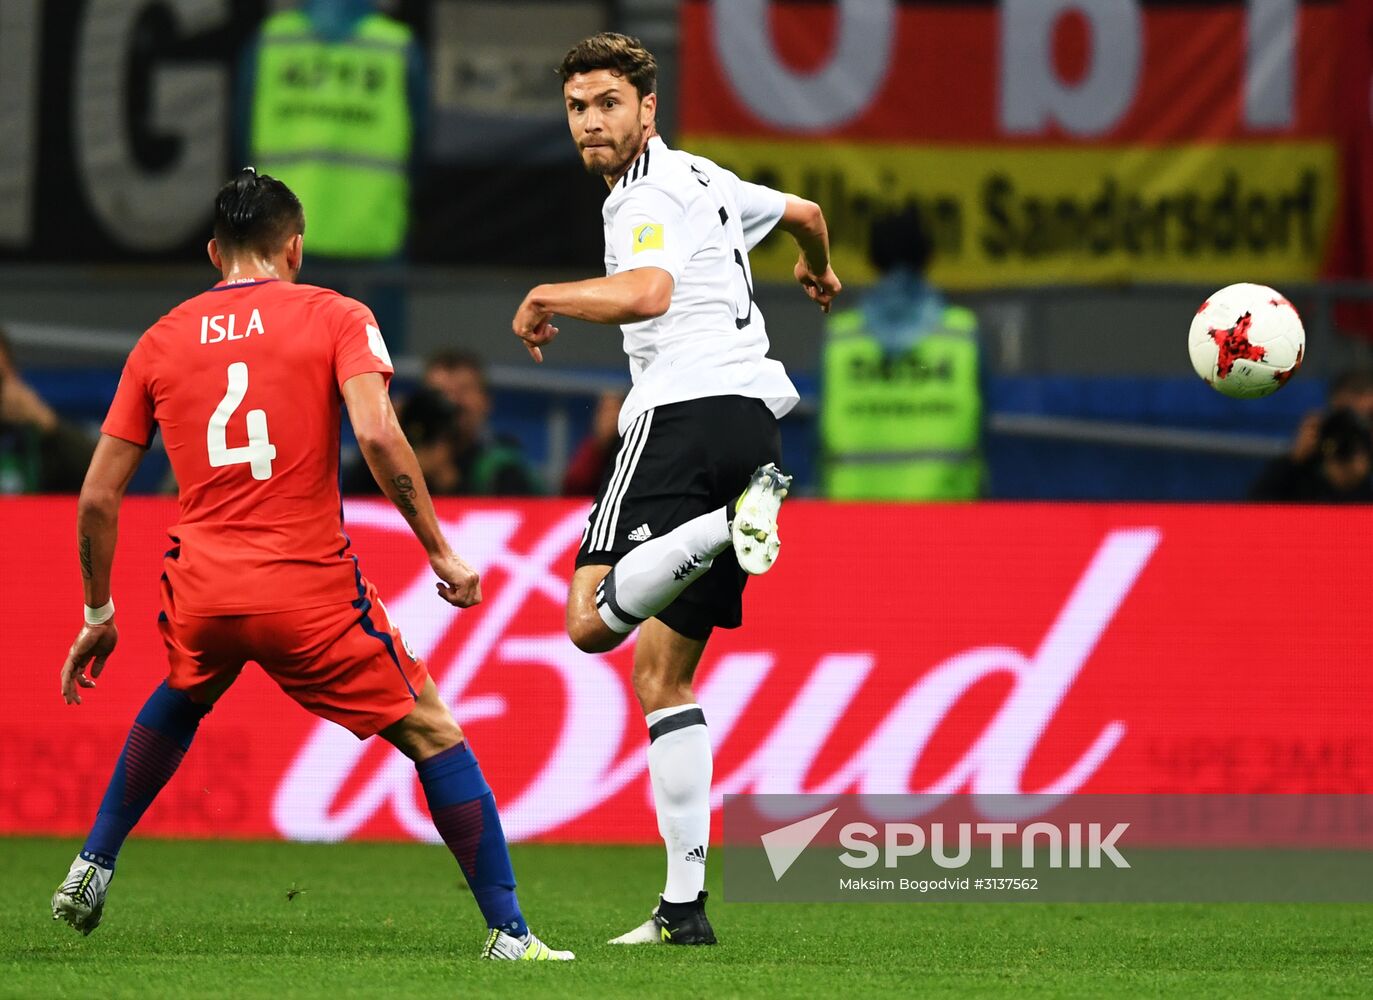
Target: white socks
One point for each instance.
(650, 577)
(680, 767)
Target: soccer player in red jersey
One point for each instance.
(245, 381)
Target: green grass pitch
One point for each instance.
(203, 919)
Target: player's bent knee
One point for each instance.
(591, 635)
(421, 744)
(591, 641)
(443, 733)
(424, 732)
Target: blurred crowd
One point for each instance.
(1331, 458)
(901, 413)
(39, 451)
(447, 420)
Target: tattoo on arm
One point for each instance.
(86, 556)
(405, 495)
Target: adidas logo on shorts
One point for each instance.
(640, 534)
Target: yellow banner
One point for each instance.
(1027, 216)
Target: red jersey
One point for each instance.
(244, 382)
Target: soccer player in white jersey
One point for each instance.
(689, 507)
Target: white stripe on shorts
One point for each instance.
(629, 476)
(598, 518)
(613, 489)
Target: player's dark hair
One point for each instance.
(456, 359)
(622, 55)
(900, 239)
(256, 212)
(6, 347)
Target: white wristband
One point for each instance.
(99, 616)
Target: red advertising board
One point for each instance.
(985, 648)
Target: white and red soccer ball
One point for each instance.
(1246, 341)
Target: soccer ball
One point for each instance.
(1246, 341)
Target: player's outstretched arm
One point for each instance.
(392, 461)
(805, 223)
(627, 297)
(97, 528)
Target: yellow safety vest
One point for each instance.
(902, 427)
(332, 120)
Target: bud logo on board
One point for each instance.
(583, 770)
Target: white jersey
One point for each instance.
(697, 221)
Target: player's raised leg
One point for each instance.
(680, 767)
(605, 604)
(464, 812)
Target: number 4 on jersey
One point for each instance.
(259, 451)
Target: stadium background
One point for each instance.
(1138, 644)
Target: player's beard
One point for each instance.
(624, 152)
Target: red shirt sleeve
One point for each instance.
(358, 345)
(131, 412)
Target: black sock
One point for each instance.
(678, 911)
